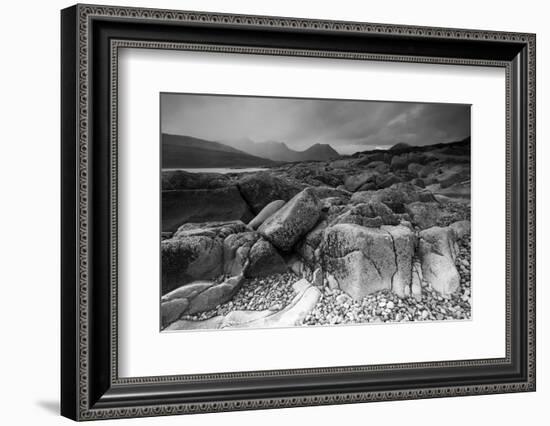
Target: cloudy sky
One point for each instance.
(348, 126)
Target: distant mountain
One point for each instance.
(461, 147)
(279, 151)
(189, 152)
(400, 146)
(319, 152)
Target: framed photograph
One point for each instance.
(263, 212)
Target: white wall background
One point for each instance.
(29, 212)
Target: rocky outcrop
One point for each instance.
(403, 160)
(212, 296)
(354, 182)
(396, 196)
(260, 189)
(308, 247)
(425, 215)
(384, 181)
(377, 233)
(450, 175)
(461, 191)
(196, 252)
(437, 252)
(328, 192)
(264, 260)
(267, 211)
(304, 301)
(197, 297)
(371, 214)
(284, 228)
(379, 167)
(188, 259)
(236, 251)
(404, 245)
(202, 205)
(361, 260)
(210, 229)
(461, 228)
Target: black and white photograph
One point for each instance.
(290, 212)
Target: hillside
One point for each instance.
(188, 152)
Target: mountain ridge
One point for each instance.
(279, 151)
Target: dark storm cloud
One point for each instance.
(348, 126)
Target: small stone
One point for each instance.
(343, 299)
(425, 314)
(390, 305)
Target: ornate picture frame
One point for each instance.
(91, 37)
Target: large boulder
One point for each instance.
(265, 213)
(362, 197)
(171, 310)
(329, 192)
(175, 303)
(215, 295)
(459, 191)
(350, 217)
(404, 244)
(427, 170)
(461, 228)
(437, 251)
(360, 260)
(210, 229)
(450, 175)
(418, 182)
(236, 250)
(308, 245)
(354, 182)
(402, 161)
(396, 196)
(189, 259)
(284, 228)
(371, 214)
(425, 215)
(202, 205)
(378, 166)
(385, 181)
(331, 202)
(414, 168)
(264, 260)
(399, 162)
(260, 189)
